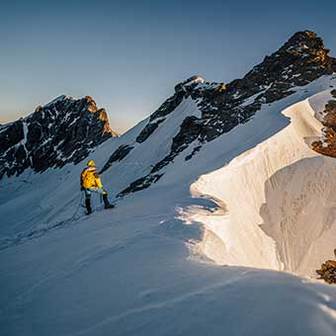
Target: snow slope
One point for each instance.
(138, 270)
(47, 199)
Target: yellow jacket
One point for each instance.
(90, 178)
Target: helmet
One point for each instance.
(91, 163)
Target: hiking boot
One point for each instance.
(107, 204)
(88, 206)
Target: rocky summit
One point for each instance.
(300, 61)
(60, 132)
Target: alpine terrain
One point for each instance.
(224, 209)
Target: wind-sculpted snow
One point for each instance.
(277, 201)
(128, 272)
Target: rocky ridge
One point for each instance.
(301, 60)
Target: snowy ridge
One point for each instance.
(299, 62)
(143, 156)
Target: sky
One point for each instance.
(129, 55)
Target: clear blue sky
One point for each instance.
(128, 55)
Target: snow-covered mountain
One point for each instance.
(60, 132)
(220, 108)
(221, 174)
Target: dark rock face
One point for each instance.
(148, 130)
(192, 126)
(301, 60)
(333, 93)
(330, 114)
(63, 131)
(120, 153)
(140, 184)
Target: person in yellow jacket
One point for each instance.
(91, 182)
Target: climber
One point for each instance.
(91, 182)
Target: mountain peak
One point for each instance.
(305, 36)
(218, 107)
(298, 62)
(63, 131)
(307, 44)
(58, 99)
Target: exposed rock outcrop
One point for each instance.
(327, 144)
(327, 272)
(120, 153)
